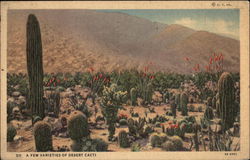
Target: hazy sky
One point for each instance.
(222, 21)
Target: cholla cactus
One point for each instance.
(111, 101)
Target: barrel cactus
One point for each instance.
(133, 96)
(43, 136)
(34, 66)
(226, 107)
(157, 139)
(123, 139)
(184, 102)
(78, 125)
(178, 143)
(11, 133)
(168, 146)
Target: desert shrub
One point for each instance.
(20, 80)
(100, 145)
(135, 147)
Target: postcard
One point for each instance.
(125, 80)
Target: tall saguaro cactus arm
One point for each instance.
(35, 66)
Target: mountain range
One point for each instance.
(74, 40)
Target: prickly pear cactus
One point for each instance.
(123, 139)
(78, 125)
(35, 66)
(226, 109)
(43, 136)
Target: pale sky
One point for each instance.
(220, 21)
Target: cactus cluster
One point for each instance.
(43, 136)
(157, 139)
(111, 101)
(35, 66)
(226, 108)
(175, 143)
(88, 145)
(137, 128)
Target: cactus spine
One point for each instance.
(184, 102)
(226, 106)
(133, 96)
(43, 136)
(35, 66)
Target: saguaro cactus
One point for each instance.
(35, 66)
(184, 102)
(226, 98)
(133, 96)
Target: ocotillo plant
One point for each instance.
(226, 98)
(35, 66)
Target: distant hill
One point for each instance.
(74, 40)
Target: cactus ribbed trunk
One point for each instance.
(226, 107)
(35, 66)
